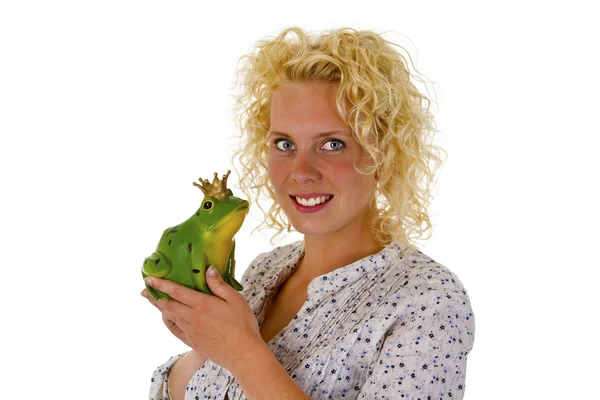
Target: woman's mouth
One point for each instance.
(311, 204)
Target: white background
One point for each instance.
(110, 109)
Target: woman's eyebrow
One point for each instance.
(320, 135)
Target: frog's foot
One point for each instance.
(230, 279)
(156, 294)
(158, 266)
(234, 283)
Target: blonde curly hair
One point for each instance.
(375, 97)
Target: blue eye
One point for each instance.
(338, 144)
(287, 145)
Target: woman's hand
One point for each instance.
(220, 327)
(172, 326)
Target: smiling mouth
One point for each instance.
(312, 201)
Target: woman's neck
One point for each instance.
(325, 254)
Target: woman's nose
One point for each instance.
(305, 169)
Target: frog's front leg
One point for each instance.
(231, 270)
(158, 266)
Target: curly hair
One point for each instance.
(375, 97)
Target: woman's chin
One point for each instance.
(314, 228)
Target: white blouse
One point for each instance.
(393, 325)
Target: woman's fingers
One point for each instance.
(169, 323)
(145, 294)
(172, 310)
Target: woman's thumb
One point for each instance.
(216, 283)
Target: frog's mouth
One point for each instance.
(229, 225)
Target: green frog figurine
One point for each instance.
(185, 251)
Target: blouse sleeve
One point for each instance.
(158, 382)
(425, 358)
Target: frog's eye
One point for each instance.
(208, 205)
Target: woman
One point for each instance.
(335, 132)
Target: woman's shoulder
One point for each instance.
(422, 275)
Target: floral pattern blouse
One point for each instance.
(393, 325)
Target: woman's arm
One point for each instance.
(262, 377)
(181, 373)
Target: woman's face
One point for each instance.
(311, 155)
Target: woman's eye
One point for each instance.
(285, 144)
(330, 145)
(335, 144)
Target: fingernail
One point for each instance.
(212, 271)
(148, 281)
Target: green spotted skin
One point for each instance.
(186, 250)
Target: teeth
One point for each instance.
(312, 201)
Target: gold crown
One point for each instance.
(217, 189)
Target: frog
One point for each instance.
(186, 250)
